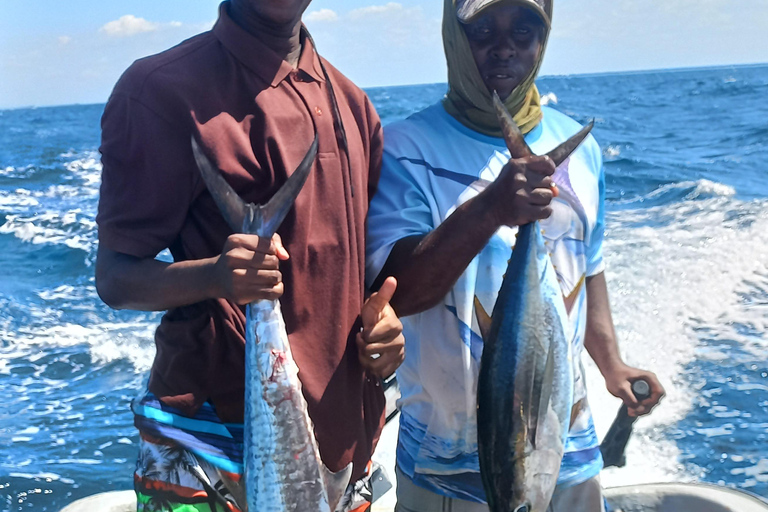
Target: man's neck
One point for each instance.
(285, 40)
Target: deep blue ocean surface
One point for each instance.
(685, 155)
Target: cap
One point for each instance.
(466, 10)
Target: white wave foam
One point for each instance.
(666, 282)
(16, 172)
(48, 477)
(88, 163)
(71, 228)
(67, 191)
(107, 341)
(63, 292)
(549, 98)
(697, 188)
(706, 187)
(9, 201)
(758, 472)
(612, 151)
(88, 169)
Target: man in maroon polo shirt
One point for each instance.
(253, 91)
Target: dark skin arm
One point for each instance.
(600, 342)
(426, 267)
(247, 270)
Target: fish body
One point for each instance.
(283, 471)
(525, 386)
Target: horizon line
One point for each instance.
(395, 86)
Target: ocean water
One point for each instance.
(685, 155)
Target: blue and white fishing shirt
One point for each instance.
(433, 164)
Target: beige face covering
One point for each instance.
(468, 99)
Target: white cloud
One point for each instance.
(377, 10)
(128, 25)
(64, 40)
(321, 15)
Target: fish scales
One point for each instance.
(283, 471)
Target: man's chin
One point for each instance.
(502, 86)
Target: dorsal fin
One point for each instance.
(483, 319)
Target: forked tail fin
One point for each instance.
(516, 144)
(564, 150)
(242, 216)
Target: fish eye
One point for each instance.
(525, 507)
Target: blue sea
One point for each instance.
(685, 155)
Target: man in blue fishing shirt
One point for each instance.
(443, 222)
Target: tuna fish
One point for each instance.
(283, 471)
(525, 388)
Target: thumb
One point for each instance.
(376, 303)
(280, 250)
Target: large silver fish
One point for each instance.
(283, 469)
(525, 388)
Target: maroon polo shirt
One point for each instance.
(253, 115)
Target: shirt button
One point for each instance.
(318, 111)
(296, 76)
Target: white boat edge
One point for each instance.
(660, 497)
(683, 497)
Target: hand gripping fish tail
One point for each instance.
(525, 387)
(517, 146)
(283, 469)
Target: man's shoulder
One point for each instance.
(167, 68)
(425, 127)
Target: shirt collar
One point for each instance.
(260, 58)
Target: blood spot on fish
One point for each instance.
(278, 365)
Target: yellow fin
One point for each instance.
(483, 319)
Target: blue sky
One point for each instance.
(55, 52)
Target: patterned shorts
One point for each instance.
(169, 478)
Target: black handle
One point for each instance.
(615, 441)
(641, 389)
